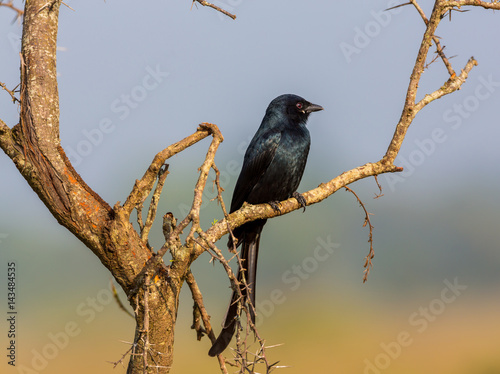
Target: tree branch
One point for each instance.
(198, 300)
(194, 213)
(34, 147)
(10, 92)
(411, 108)
(494, 4)
(11, 5)
(155, 199)
(9, 145)
(213, 6)
(439, 49)
(250, 212)
(143, 187)
(368, 259)
(451, 85)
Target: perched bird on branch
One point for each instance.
(272, 169)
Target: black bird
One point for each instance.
(272, 169)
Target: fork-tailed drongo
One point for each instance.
(272, 168)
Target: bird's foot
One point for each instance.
(300, 199)
(276, 206)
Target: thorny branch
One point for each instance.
(380, 194)
(251, 212)
(450, 4)
(213, 6)
(202, 312)
(117, 299)
(224, 210)
(125, 355)
(386, 164)
(439, 49)
(194, 214)
(10, 92)
(368, 259)
(244, 358)
(244, 306)
(144, 333)
(242, 351)
(143, 187)
(153, 206)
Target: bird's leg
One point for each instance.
(300, 199)
(275, 205)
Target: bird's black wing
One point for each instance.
(259, 156)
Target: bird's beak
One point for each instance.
(313, 108)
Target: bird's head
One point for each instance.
(293, 107)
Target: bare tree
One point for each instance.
(152, 287)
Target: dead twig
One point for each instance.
(223, 206)
(10, 4)
(397, 6)
(10, 92)
(439, 49)
(451, 4)
(153, 205)
(244, 304)
(368, 259)
(380, 194)
(144, 186)
(213, 6)
(200, 307)
(117, 299)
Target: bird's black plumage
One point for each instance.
(272, 169)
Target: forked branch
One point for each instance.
(10, 4)
(143, 187)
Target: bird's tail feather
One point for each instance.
(249, 255)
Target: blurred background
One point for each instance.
(136, 77)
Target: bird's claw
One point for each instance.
(276, 206)
(300, 199)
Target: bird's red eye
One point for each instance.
(299, 105)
